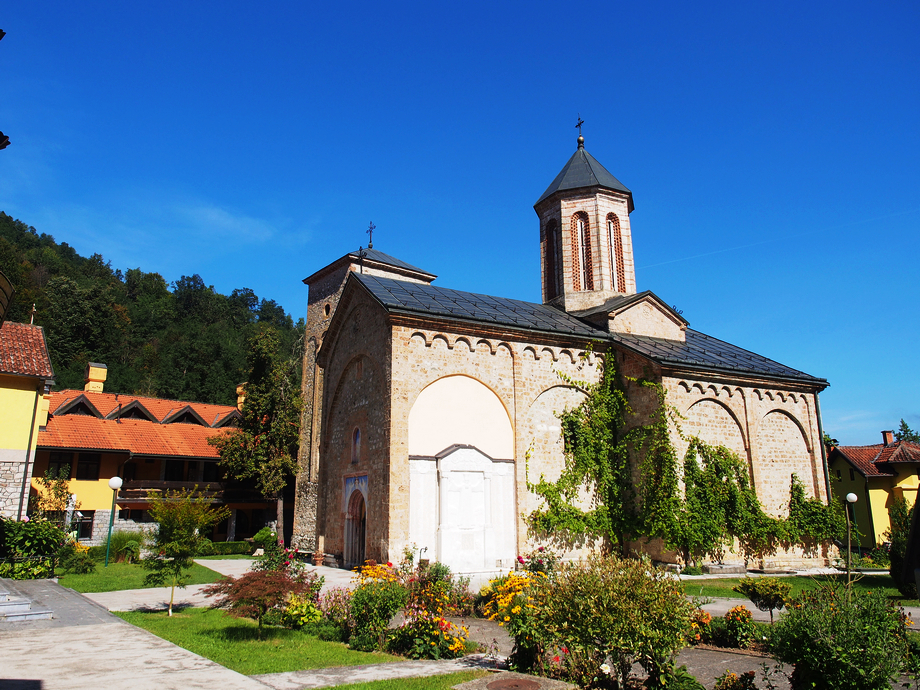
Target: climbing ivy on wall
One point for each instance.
(630, 472)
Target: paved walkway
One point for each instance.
(84, 647)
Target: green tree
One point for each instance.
(180, 517)
(263, 450)
(905, 433)
(898, 534)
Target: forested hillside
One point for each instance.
(182, 340)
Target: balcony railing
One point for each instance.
(136, 490)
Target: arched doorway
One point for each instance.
(355, 530)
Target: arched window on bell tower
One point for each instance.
(551, 261)
(581, 250)
(617, 267)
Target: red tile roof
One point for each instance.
(877, 460)
(160, 408)
(23, 351)
(135, 435)
(139, 436)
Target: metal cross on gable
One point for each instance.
(370, 233)
(579, 124)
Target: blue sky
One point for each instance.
(773, 151)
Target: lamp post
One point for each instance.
(115, 485)
(851, 498)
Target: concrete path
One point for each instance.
(84, 647)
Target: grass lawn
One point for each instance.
(233, 642)
(722, 587)
(120, 576)
(430, 683)
(223, 557)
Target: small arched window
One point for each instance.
(581, 244)
(617, 269)
(355, 446)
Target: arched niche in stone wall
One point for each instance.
(780, 450)
(460, 410)
(542, 433)
(715, 423)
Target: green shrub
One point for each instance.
(76, 559)
(231, 548)
(373, 604)
(766, 593)
(28, 549)
(120, 539)
(263, 536)
(606, 612)
(324, 630)
(692, 570)
(898, 535)
(335, 605)
(736, 630)
(841, 640)
(29, 538)
(732, 681)
(299, 611)
(738, 627)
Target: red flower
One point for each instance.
(389, 565)
(556, 659)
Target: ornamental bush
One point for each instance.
(607, 611)
(735, 629)
(426, 634)
(838, 639)
(766, 593)
(335, 606)
(28, 548)
(255, 594)
(373, 603)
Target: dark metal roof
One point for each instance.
(402, 296)
(582, 171)
(699, 350)
(704, 351)
(379, 256)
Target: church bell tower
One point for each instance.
(585, 241)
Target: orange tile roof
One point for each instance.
(23, 351)
(160, 408)
(877, 460)
(138, 436)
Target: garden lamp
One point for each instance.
(851, 498)
(114, 485)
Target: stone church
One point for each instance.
(427, 408)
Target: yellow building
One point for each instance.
(154, 445)
(877, 474)
(26, 376)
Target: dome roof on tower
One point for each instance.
(583, 171)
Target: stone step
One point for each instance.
(14, 606)
(30, 615)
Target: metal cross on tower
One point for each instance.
(579, 124)
(370, 233)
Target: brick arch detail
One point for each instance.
(617, 264)
(582, 260)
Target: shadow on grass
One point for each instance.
(177, 608)
(246, 633)
(866, 582)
